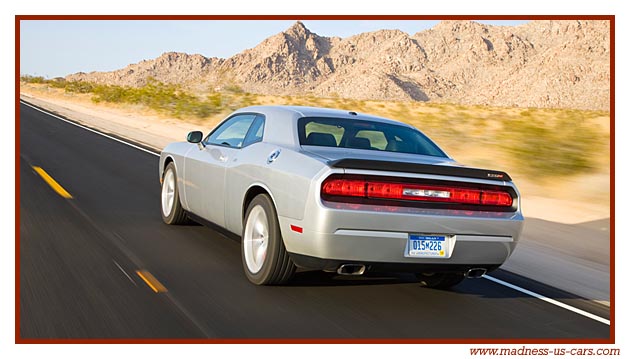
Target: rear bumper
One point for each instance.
(332, 265)
(350, 233)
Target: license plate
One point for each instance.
(428, 246)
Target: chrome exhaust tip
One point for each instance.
(351, 269)
(475, 272)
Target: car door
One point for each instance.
(241, 172)
(204, 169)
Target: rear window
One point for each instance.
(365, 135)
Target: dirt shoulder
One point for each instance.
(152, 131)
(156, 131)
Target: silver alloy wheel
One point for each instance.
(168, 193)
(256, 239)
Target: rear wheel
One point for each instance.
(172, 210)
(265, 259)
(440, 280)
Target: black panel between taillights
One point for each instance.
(423, 204)
(391, 166)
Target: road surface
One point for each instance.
(99, 263)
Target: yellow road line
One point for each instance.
(52, 183)
(150, 280)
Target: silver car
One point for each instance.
(343, 192)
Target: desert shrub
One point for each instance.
(79, 87)
(247, 100)
(59, 83)
(32, 79)
(215, 99)
(563, 147)
(166, 98)
(233, 89)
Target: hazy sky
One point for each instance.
(60, 47)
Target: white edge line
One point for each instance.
(89, 129)
(498, 281)
(548, 300)
(125, 273)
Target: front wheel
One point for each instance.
(171, 208)
(440, 280)
(265, 259)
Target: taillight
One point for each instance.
(496, 198)
(384, 190)
(375, 189)
(342, 187)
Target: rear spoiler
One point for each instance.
(454, 171)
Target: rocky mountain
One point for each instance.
(556, 63)
(170, 67)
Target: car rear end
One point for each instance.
(401, 221)
(387, 211)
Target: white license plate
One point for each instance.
(428, 246)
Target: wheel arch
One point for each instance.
(182, 193)
(254, 190)
(281, 268)
(168, 159)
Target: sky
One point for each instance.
(53, 48)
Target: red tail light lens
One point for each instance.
(341, 187)
(384, 190)
(376, 189)
(495, 198)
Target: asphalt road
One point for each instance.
(577, 256)
(79, 259)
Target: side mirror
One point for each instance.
(194, 137)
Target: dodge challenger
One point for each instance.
(339, 191)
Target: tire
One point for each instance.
(171, 208)
(265, 259)
(440, 280)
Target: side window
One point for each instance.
(232, 132)
(256, 131)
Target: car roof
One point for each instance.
(296, 112)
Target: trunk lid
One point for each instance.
(399, 162)
(330, 154)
